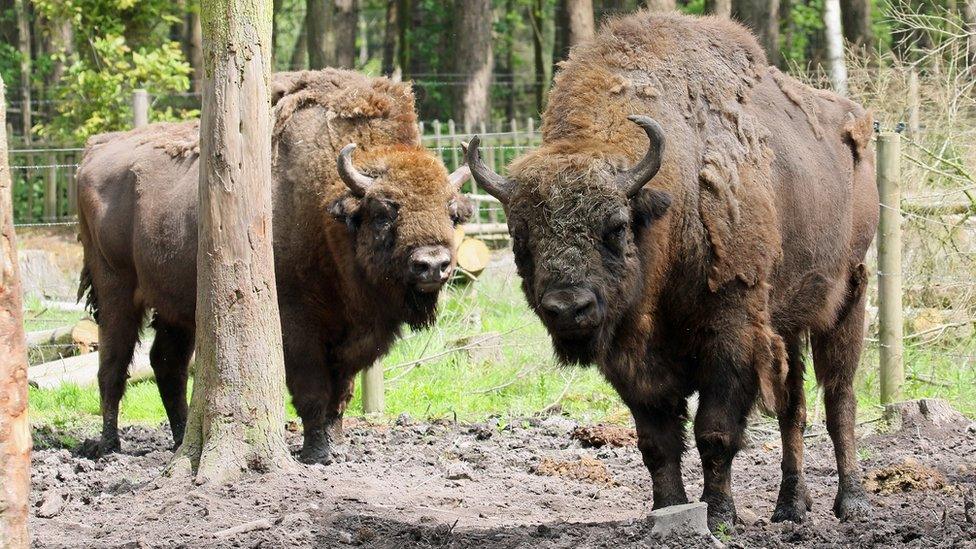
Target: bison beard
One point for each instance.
(421, 309)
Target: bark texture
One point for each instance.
(346, 24)
(856, 16)
(574, 24)
(719, 7)
(15, 438)
(538, 54)
(474, 62)
(320, 33)
(236, 421)
(762, 18)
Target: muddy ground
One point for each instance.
(523, 483)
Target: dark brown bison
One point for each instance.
(363, 230)
(695, 246)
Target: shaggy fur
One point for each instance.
(750, 237)
(340, 260)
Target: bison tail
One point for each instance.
(86, 290)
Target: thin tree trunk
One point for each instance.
(299, 55)
(404, 17)
(346, 24)
(969, 14)
(856, 19)
(320, 31)
(510, 41)
(24, 45)
(762, 16)
(660, 5)
(15, 437)
(60, 46)
(835, 46)
(236, 421)
(574, 24)
(719, 7)
(474, 62)
(390, 34)
(194, 46)
(364, 41)
(535, 16)
(275, 31)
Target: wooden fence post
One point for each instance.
(372, 385)
(140, 108)
(889, 268)
(913, 103)
(51, 190)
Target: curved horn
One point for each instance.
(635, 178)
(459, 176)
(496, 185)
(357, 182)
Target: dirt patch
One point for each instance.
(598, 436)
(585, 468)
(907, 476)
(397, 486)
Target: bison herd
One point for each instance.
(691, 220)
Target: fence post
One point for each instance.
(51, 190)
(913, 103)
(140, 108)
(889, 268)
(372, 383)
(452, 130)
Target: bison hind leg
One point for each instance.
(836, 353)
(794, 499)
(170, 360)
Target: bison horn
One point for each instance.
(357, 182)
(632, 180)
(458, 177)
(494, 184)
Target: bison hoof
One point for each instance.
(312, 457)
(793, 502)
(720, 511)
(97, 448)
(851, 504)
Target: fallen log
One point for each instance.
(82, 370)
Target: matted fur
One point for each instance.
(770, 207)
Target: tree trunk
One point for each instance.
(60, 45)
(346, 24)
(719, 7)
(538, 55)
(474, 61)
(320, 33)
(856, 19)
(835, 46)
(390, 34)
(404, 16)
(276, 6)
(194, 45)
(660, 5)
(969, 14)
(510, 42)
(762, 16)
(15, 437)
(574, 24)
(24, 45)
(299, 55)
(236, 421)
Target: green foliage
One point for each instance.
(95, 96)
(141, 22)
(804, 26)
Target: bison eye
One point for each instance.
(615, 234)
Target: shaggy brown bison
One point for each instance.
(363, 231)
(738, 230)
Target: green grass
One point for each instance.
(428, 376)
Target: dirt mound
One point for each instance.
(585, 468)
(598, 436)
(907, 476)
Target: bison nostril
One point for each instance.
(429, 264)
(570, 307)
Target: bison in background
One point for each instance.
(358, 251)
(739, 231)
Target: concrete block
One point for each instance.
(690, 518)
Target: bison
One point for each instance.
(691, 218)
(363, 227)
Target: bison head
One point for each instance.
(401, 209)
(576, 218)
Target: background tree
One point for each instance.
(574, 24)
(719, 7)
(762, 16)
(15, 437)
(969, 15)
(391, 32)
(474, 62)
(236, 419)
(856, 21)
(836, 64)
(346, 21)
(660, 5)
(320, 33)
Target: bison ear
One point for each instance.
(460, 209)
(648, 206)
(347, 210)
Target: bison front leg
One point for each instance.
(661, 439)
(794, 500)
(724, 404)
